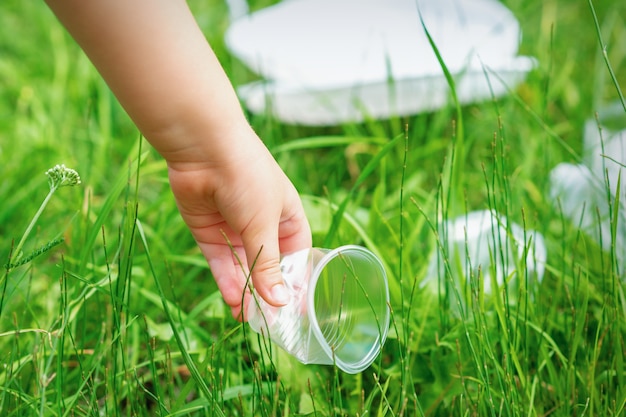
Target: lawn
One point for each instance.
(107, 306)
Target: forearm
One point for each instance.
(157, 62)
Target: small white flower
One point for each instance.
(60, 176)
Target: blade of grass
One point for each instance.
(119, 185)
(316, 142)
(193, 369)
(605, 55)
(457, 152)
(367, 171)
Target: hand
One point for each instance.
(156, 60)
(247, 198)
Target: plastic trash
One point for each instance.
(605, 144)
(326, 62)
(580, 190)
(338, 312)
(480, 243)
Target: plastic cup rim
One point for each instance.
(348, 367)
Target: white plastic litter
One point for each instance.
(326, 62)
(580, 191)
(482, 242)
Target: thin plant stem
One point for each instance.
(58, 176)
(605, 56)
(29, 229)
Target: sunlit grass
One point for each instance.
(123, 317)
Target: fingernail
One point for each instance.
(280, 294)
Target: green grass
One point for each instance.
(103, 322)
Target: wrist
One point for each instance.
(198, 140)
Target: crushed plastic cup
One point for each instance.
(592, 194)
(482, 243)
(338, 311)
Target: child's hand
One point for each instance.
(246, 198)
(156, 60)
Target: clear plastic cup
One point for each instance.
(338, 312)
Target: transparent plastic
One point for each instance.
(338, 312)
